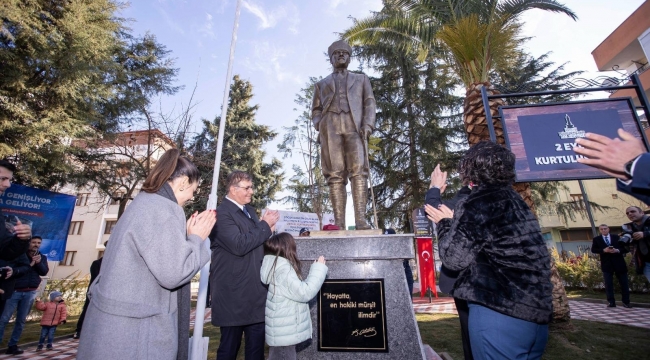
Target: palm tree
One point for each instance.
(476, 37)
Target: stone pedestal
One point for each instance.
(367, 257)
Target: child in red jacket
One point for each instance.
(54, 313)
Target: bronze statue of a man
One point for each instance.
(343, 111)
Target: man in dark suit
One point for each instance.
(612, 261)
(238, 295)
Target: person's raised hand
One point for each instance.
(271, 217)
(609, 155)
(23, 231)
(320, 260)
(438, 179)
(435, 215)
(10, 272)
(637, 235)
(36, 258)
(202, 224)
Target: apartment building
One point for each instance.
(626, 50)
(96, 213)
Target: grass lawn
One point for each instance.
(587, 339)
(32, 330)
(600, 295)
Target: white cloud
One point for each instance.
(287, 13)
(206, 28)
(333, 4)
(270, 60)
(170, 22)
(356, 8)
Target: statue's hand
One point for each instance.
(316, 122)
(366, 131)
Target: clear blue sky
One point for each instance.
(281, 43)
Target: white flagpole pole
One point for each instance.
(199, 345)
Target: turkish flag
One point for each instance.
(426, 263)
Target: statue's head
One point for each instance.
(339, 53)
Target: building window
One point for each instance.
(100, 254)
(68, 260)
(576, 235)
(110, 224)
(578, 203)
(75, 227)
(82, 199)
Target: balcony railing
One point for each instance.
(641, 70)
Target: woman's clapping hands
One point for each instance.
(201, 224)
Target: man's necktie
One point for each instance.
(246, 212)
(607, 241)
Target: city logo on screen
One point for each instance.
(570, 130)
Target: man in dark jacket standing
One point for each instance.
(612, 261)
(238, 295)
(12, 243)
(639, 231)
(28, 279)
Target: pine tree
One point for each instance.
(70, 73)
(242, 150)
(307, 188)
(418, 125)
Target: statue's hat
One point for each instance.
(339, 45)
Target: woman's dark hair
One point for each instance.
(488, 163)
(169, 167)
(284, 245)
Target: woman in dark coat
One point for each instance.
(494, 241)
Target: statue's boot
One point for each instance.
(338, 197)
(360, 200)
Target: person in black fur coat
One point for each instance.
(494, 241)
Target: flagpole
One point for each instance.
(199, 345)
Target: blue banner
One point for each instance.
(48, 213)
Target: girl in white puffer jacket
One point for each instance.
(287, 318)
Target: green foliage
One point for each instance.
(308, 191)
(73, 287)
(53, 60)
(418, 126)
(70, 72)
(475, 36)
(583, 272)
(531, 74)
(242, 150)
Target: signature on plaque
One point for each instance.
(367, 332)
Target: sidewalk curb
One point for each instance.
(604, 302)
